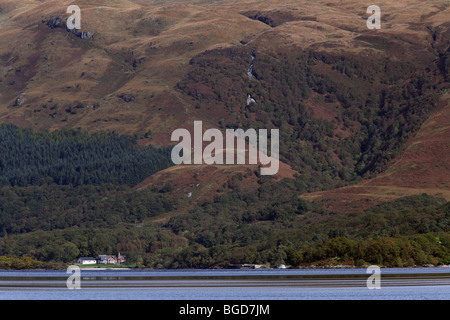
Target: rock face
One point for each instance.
(85, 35)
(53, 23)
(59, 22)
(127, 97)
(21, 99)
(250, 100)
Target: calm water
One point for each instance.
(289, 284)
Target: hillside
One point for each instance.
(363, 117)
(423, 167)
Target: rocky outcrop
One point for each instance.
(59, 22)
(127, 97)
(250, 100)
(85, 35)
(53, 23)
(21, 99)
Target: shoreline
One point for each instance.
(106, 268)
(312, 267)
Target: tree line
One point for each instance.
(74, 157)
(239, 226)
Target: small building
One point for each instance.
(110, 259)
(103, 259)
(87, 260)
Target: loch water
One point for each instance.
(227, 284)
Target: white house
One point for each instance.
(103, 259)
(87, 260)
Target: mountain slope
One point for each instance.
(363, 118)
(423, 167)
